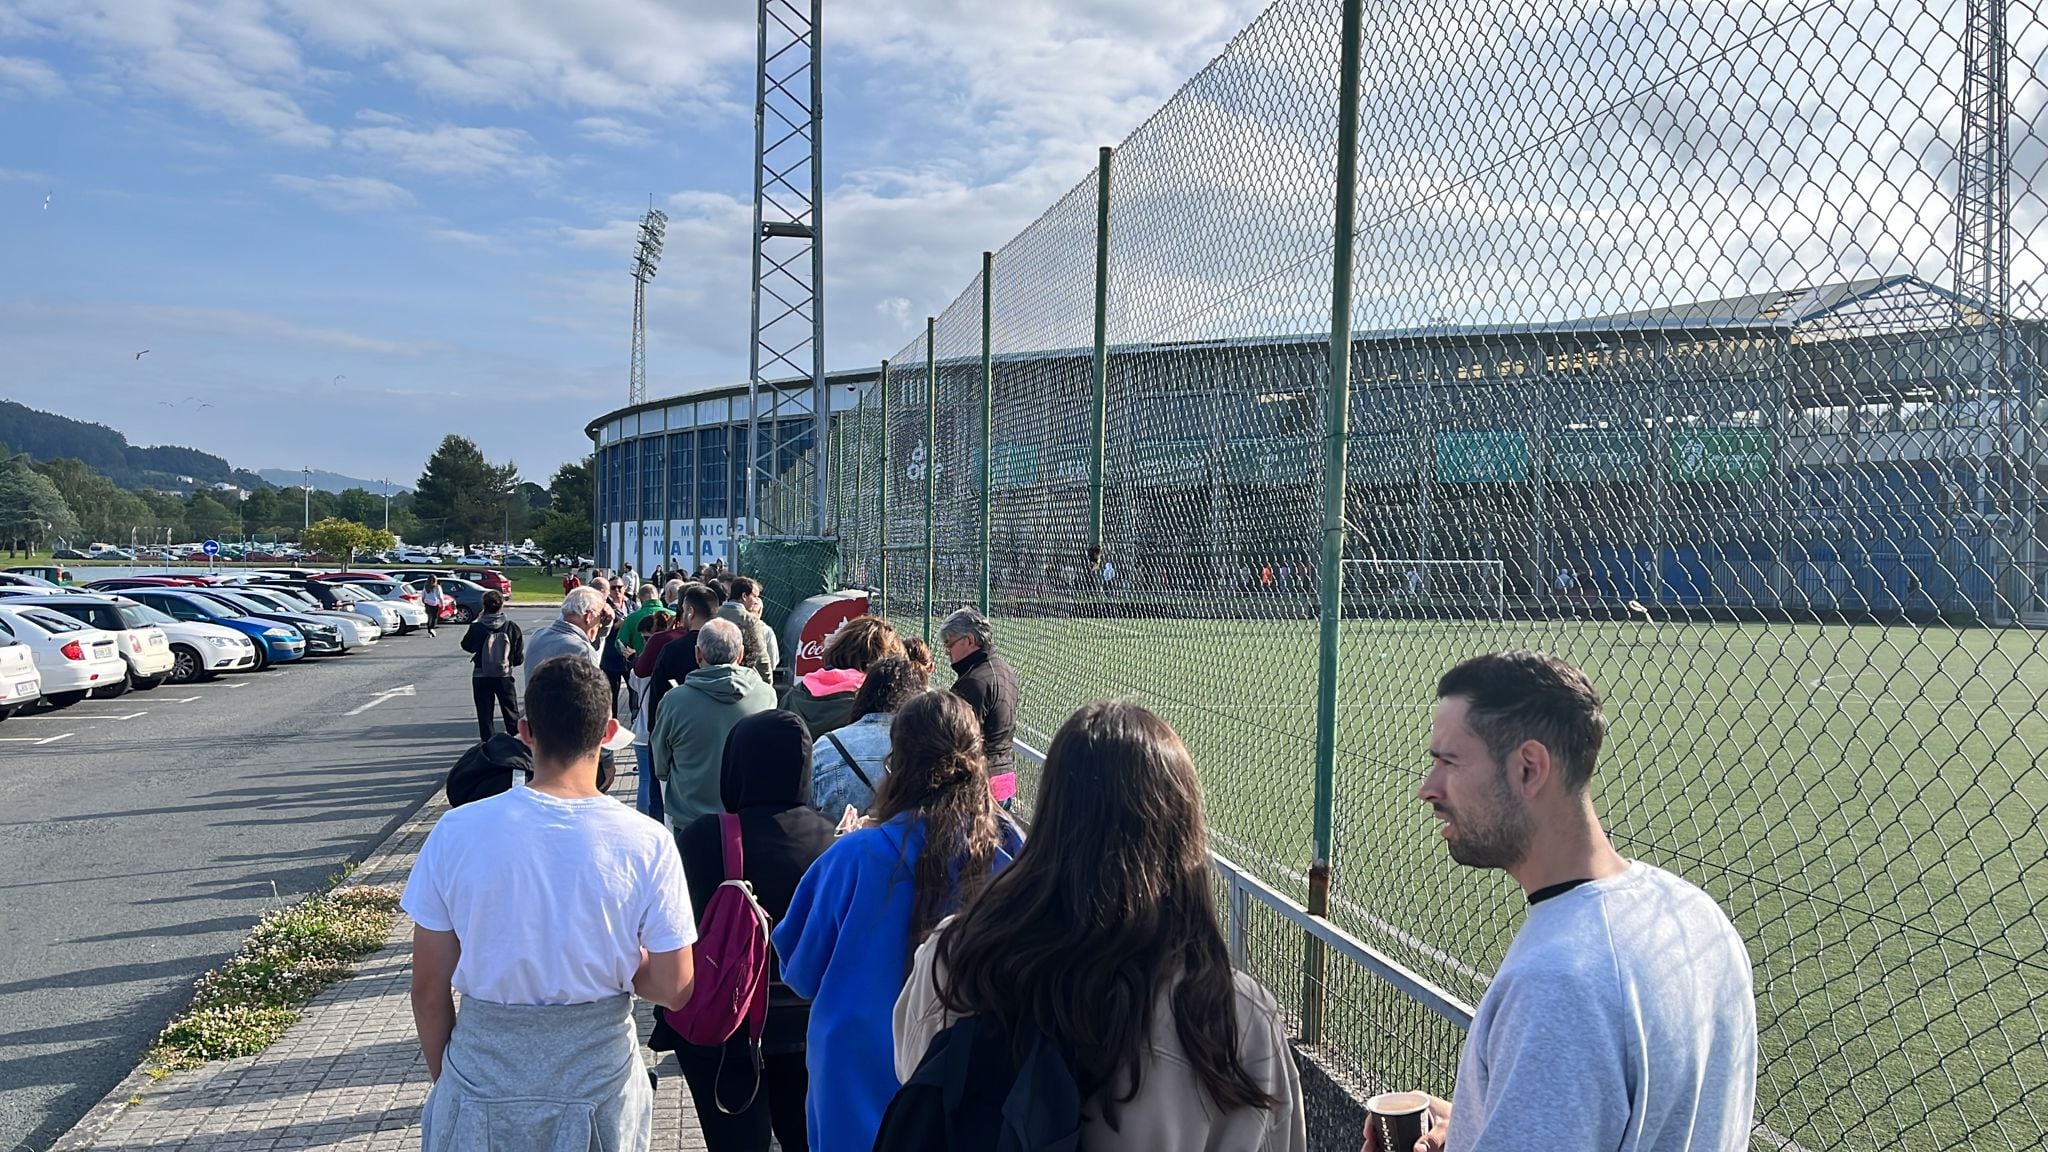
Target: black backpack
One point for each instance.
(486, 769)
(969, 1094)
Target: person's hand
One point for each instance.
(1439, 1127)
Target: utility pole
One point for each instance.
(306, 490)
(387, 506)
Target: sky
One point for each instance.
(343, 231)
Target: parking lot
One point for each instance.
(141, 836)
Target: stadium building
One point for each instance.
(1867, 447)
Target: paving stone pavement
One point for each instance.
(348, 1075)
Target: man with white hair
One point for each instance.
(986, 681)
(695, 717)
(574, 634)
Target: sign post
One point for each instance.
(212, 550)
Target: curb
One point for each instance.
(137, 1083)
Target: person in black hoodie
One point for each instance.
(496, 647)
(765, 778)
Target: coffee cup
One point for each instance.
(1398, 1119)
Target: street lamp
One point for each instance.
(306, 490)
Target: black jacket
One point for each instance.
(989, 685)
(677, 660)
(482, 626)
(765, 777)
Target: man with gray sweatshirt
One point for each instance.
(573, 634)
(1624, 1014)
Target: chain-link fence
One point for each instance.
(1696, 342)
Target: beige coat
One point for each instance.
(1172, 1110)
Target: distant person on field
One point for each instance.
(690, 730)
(825, 698)
(874, 897)
(765, 779)
(574, 633)
(496, 647)
(547, 906)
(1624, 1015)
(1174, 1049)
(743, 608)
(986, 681)
(849, 762)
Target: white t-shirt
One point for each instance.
(551, 899)
(1624, 1017)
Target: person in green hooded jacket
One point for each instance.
(695, 718)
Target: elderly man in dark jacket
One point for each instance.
(986, 681)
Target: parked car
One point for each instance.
(342, 598)
(322, 638)
(356, 630)
(275, 643)
(74, 659)
(488, 577)
(69, 554)
(202, 651)
(48, 573)
(144, 647)
(20, 684)
(24, 580)
(386, 588)
(124, 583)
(467, 597)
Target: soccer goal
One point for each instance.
(1426, 587)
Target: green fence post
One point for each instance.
(931, 466)
(1100, 399)
(1336, 434)
(988, 415)
(882, 506)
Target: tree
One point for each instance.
(345, 539)
(566, 529)
(104, 511)
(360, 505)
(462, 497)
(31, 508)
(207, 517)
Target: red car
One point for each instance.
(117, 583)
(488, 577)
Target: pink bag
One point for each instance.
(732, 963)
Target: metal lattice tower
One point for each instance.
(1983, 258)
(646, 254)
(786, 490)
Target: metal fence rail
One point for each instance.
(1697, 342)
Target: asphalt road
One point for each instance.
(141, 837)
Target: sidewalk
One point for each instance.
(347, 1075)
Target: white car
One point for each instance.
(144, 647)
(356, 629)
(385, 612)
(201, 651)
(20, 683)
(73, 658)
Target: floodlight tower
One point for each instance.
(646, 254)
(1983, 255)
(789, 269)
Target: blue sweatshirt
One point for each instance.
(859, 895)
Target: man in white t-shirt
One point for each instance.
(546, 907)
(1624, 1014)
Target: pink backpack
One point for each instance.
(731, 987)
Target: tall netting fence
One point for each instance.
(1697, 342)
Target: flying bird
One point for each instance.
(46, 201)
(339, 379)
(141, 354)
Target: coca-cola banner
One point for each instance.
(813, 622)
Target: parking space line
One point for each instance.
(54, 739)
(182, 699)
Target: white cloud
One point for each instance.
(346, 193)
(29, 76)
(224, 60)
(21, 176)
(265, 326)
(451, 150)
(613, 131)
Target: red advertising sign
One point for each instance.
(814, 621)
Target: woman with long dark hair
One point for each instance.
(875, 896)
(1103, 940)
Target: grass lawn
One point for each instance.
(1867, 802)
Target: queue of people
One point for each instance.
(931, 970)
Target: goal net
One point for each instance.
(1426, 587)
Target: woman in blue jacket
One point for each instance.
(933, 841)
